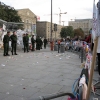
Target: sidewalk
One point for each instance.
(29, 75)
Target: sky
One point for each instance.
(76, 9)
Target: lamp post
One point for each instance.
(51, 20)
(51, 41)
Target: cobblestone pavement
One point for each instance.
(28, 75)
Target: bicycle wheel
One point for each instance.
(97, 88)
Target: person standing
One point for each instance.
(45, 42)
(38, 43)
(26, 39)
(14, 43)
(41, 43)
(6, 44)
(32, 42)
(24, 35)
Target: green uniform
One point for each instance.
(26, 43)
(6, 44)
(13, 43)
(45, 43)
(38, 43)
(32, 41)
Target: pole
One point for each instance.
(92, 68)
(55, 35)
(60, 17)
(51, 20)
(51, 42)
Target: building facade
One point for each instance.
(29, 19)
(85, 24)
(43, 29)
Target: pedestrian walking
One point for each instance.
(45, 42)
(33, 42)
(14, 43)
(6, 43)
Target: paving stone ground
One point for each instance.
(28, 75)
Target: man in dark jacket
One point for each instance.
(45, 42)
(32, 42)
(38, 43)
(14, 43)
(26, 43)
(6, 43)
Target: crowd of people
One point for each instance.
(76, 44)
(69, 43)
(13, 38)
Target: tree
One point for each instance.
(9, 14)
(63, 32)
(79, 32)
(70, 31)
(67, 31)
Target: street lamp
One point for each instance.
(60, 16)
(51, 41)
(51, 21)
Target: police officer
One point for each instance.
(26, 43)
(45, 42)
(14, 43)
(6, 43)
(38, 43)
(32, 42)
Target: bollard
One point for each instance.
(51, 45)
(81, 55)
(62, 48)
(55, 47)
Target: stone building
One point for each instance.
(43, 29)
(29, 19)
(85, 24)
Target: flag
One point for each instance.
(4, 27)
(98, 19)
(94, 25)
(38, 18)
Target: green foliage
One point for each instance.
(79, 32)
(66, 31)
(63, 32)
(70, 31)
(9, 14)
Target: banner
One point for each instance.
(34, 29)
(94, 25)
(38, 18)
(4, 27)
(98, 19)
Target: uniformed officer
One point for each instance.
(45, 42)
(26, 43)
(6, 43)
(14, 43)
(32, 42)
(38, 43)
